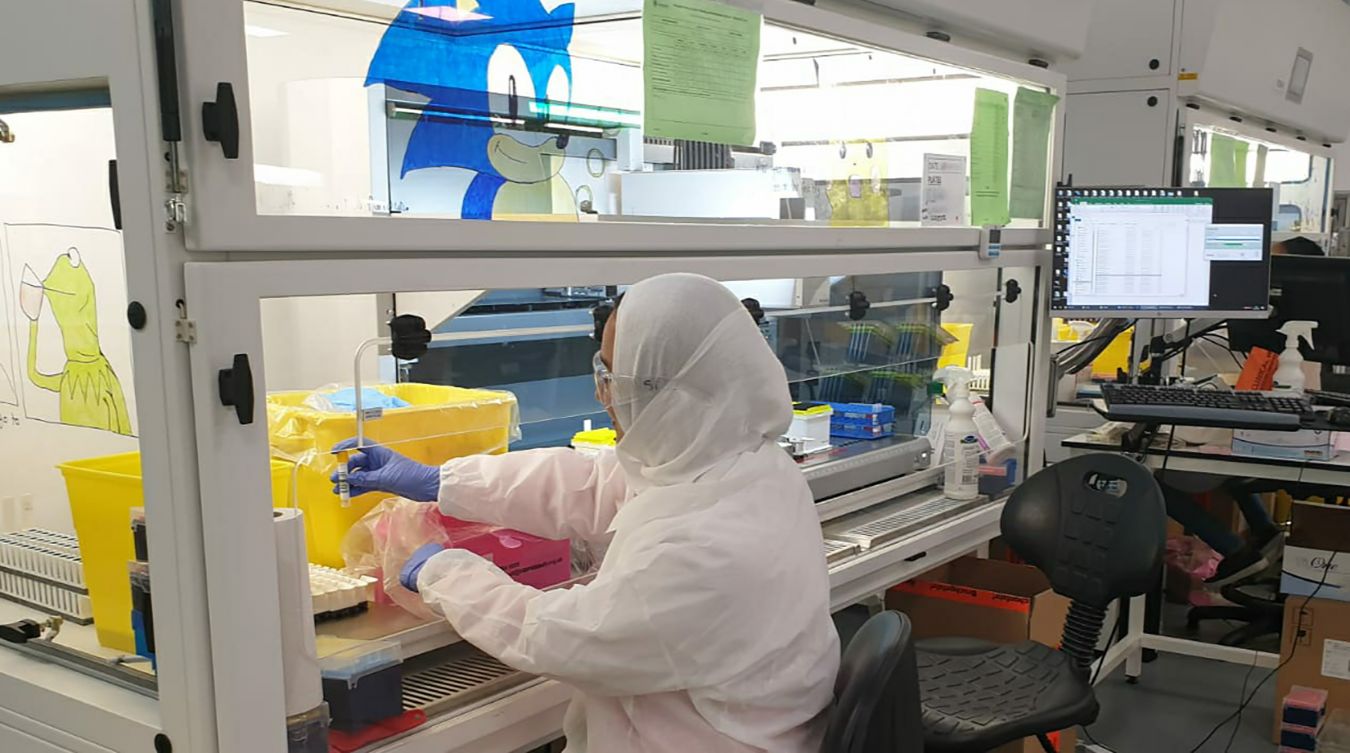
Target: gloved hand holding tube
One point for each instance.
(378, 469)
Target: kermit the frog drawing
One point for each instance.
(91, 394)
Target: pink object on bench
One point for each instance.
(528, 559)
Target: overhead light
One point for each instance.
(273, 175)
(447, 13)
(262, 32)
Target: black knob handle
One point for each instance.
(756, 310)
(236, 388)
(22, 631)
(1153, 64)
(408, 336)
(943, 296)
(1012, 290)
(858, 305)
(220, 121)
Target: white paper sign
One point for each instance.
(944, 190)
(1336, 659)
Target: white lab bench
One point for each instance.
(92, 714)
(526, 714)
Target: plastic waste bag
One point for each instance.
(381, 542)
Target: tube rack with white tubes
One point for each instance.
(44, 555)
(72, 605)
(336, 593)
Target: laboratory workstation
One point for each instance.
(608, 376)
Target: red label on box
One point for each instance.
(966, 595)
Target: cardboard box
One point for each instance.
(1315, 651)
(1317, 552)
(989, 599)
(1304, 444)
(1319, 526)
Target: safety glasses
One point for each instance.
(604, 380)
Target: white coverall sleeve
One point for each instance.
(599, 637)
(556, 493)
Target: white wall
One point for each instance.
(309, 108)
(311, 342)
(1341, 165)
(55, 172)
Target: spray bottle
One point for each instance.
(1289, 376)
(961, 439)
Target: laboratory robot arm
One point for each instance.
(556, 493)
(604, 638)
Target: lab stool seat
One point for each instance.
(1096, 526)
(978, 695)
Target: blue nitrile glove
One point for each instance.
(378, 469)
(408, 575)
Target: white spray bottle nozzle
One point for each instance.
(955, 380)
(1289, 375)
(1292, 331)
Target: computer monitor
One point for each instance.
(1162, 252)
(1304, 288)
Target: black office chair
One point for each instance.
(1257, 603)
(1095, 525)
(876, 693)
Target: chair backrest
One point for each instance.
(1096, 525)
(876, 694)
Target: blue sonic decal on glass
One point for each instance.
(484, 67)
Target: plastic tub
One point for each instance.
(102, 493)
(441, 423)
(1335, 736)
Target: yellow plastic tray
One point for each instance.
(103, 491)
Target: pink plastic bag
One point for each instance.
(381, 542)
(1190, 562)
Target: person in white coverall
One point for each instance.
(707, 628)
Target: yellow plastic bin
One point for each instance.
(102, 492)
(1115, 356)
(441, 423)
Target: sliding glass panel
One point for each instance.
(527, 111)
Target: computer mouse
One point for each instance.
(1340, 417)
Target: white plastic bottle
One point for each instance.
(1289, 376)
(961, 440)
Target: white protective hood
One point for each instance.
(695, 382)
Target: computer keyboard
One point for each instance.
(1324, 397)
(1187, 406)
